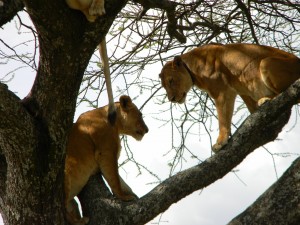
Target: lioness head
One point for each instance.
(132, 119)
(175, 78)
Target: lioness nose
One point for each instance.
(146, 129)
(173, 99)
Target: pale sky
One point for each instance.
(216, 204)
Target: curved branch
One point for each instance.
(258, 129)
(8, 9)
(244, 9)
(172, 26)
(279, 204)
(3, 171)
(16, 122)
(18, 155)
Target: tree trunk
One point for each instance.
(280, 204)
(33, 131)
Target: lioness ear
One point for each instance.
(125, 102)
(177, 61)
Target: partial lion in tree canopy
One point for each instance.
(93, 146)
(255, 72)
(92, 9)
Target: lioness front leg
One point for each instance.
(109, 168)
(126, 189)
(224, 104)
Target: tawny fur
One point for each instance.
(90, 8)
(254, 72)
(93, 146)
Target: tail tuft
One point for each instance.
(112, 115)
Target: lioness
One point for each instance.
(254, 72)
(94, 145)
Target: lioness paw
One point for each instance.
(85, 220)
(74, 220)
(217, 146)
(97, 8)
(82, 221)
(263, 100)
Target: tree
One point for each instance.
(33, 131)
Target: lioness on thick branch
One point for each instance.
(94, 145)
(255, 72)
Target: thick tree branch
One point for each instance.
(280, 204)
(3, 172)
(20, 160)
(258, 129)
(8, 9)
(16, 124)
(14, 119)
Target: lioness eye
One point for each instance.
(171, 81)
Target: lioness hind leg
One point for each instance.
(279, 73)
(108, 164)
(126, 189)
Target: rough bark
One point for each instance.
(280, 204)
(8, 10)
(3, 171)
(259, 128)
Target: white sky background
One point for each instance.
(216, 204)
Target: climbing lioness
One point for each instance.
(254, 72)
(94, 145)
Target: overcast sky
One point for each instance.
(216, 204)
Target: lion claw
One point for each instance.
(217, 146)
